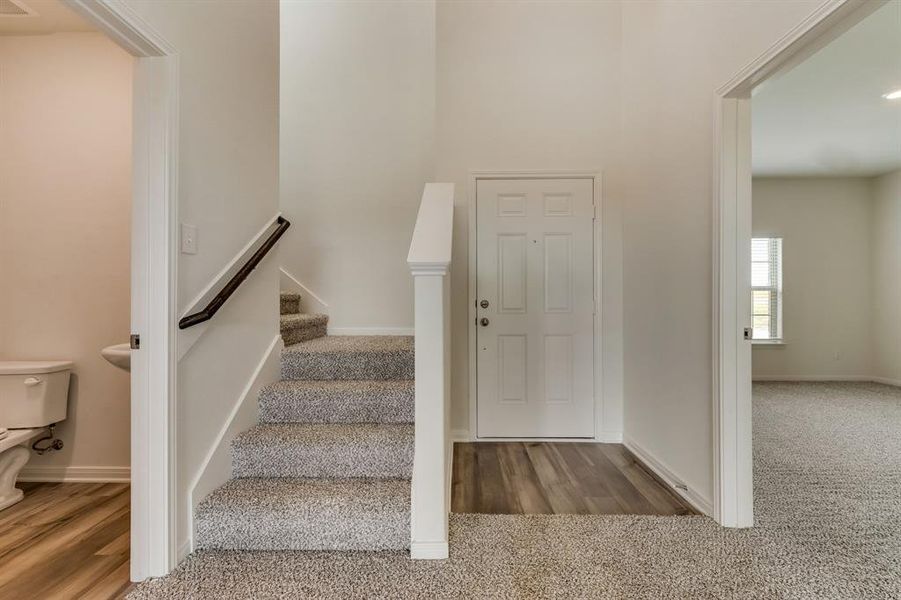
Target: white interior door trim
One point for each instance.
(153, 282)
(732, 448)
(597, 179)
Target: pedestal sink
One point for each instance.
(118, 356)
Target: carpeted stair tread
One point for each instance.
(350, 357)
(390, 401)
(306, 514)
(324, 450)
(302, 327)
(289, 303)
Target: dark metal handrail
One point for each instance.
(216, 303)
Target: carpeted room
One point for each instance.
(828, 526)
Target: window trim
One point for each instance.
(778, 289)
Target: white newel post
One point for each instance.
(429, 261)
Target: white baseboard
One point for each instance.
(810, 378)
(370, 331)
(184, 549)
(215, 469)
(610, 437)
(460, 435)
(310, 302)
(429, 550)
(827, 379)
(605, 437)
(697, 501)
(76, 474)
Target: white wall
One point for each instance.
(65, 206)
(675, 55)
(886, 247)
(826, 226)
(365, 92)
(228, 56)
(357, 122)
(531, 86)
(626, 88)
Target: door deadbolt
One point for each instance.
(483, 304)
(483, 322)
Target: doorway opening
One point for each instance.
(91, 158)
(786, 273)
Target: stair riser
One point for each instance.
(393, 460)
(289, 306)
(347, 366)
(302, 334)
(311, 529)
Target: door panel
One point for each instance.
(535, 268)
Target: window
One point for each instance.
(766, 288)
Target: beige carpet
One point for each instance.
(828, 490)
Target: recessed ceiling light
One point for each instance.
(896, 95)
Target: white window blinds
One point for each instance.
(766, 288)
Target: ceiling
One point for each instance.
(51, 16)
(827, 116)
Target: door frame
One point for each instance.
(153, 281)
(733, 501)
(597, 189)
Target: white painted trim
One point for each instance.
(828, 379)
(732, 439)
(696, 500)
(430, 248)
(610, 437)
(429, 262)
(371, 331)
(124, 26)
(309, 300)
(604, 437)
(556, 440)
(815, 379)
(76, 474)
(215, 469)
(460, 435)
(429, 550)
(184, 550)
(153, 283)
(598, 191)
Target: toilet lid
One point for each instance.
(32, 367)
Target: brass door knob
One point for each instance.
(483, 322)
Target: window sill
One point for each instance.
(768, 342)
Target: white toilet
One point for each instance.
(33, 396)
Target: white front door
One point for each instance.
(535, 307)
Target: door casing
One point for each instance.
(596, 178)
(153, 281)
(733, 495)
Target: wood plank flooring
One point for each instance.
(66, 540)
(562, 478)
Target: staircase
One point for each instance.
(328, 466)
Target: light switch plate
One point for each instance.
(188, 239)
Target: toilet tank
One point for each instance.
(33, 393)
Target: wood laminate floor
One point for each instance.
(540, 477)
(66, 540)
